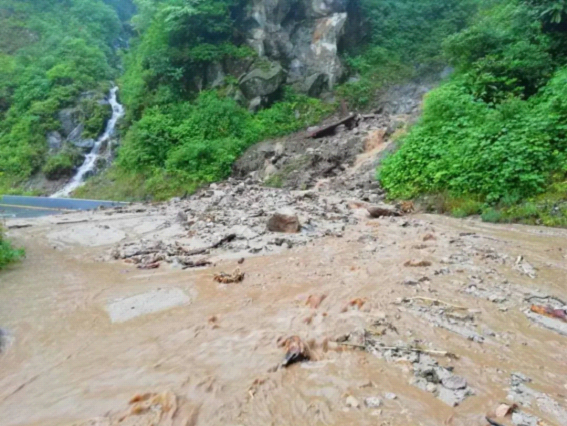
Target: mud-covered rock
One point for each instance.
(284, 222)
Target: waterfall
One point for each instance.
(90, 160)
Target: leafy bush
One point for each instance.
(180, 146)
(8, 253)
(505, 53)
(472, 148)
(61, 165)
(496, 133)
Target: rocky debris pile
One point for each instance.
(434, 378)
(428, 374)
(457, 319)
(524, 396)
(334, 155)
(237, 217)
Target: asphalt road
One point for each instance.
(12, 206)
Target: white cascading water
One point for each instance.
(90, 160)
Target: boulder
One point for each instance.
(262, 81)
(84, 144)
(69, 119)
(316, 84)
(316, 47)
(55, 141)
(215, 75)
(283, 222)
(75, 134)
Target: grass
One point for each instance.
(547, 209)
(8, 254)
(117, 185)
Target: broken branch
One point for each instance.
(437, 301)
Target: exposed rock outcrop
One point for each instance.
(297, 42)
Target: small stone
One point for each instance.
(431, 387)
(352, 402)
(449, 397)
(390, 396)
(372, 402)
(369, 384)
(454, 382)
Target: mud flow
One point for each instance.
(411, 320)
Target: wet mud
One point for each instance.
(93, 340)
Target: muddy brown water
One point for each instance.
(66, 363)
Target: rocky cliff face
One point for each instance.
(297, 43)
(302, 35)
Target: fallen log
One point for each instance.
(379, 211)
(205, 250)
(330, 129)
(24, 225)
(196, 264)
(223, 240)
(71, 222)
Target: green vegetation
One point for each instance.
(492, 139)
(62, 165)
(405, 40)
(179, 136)
(8, 253)
(51, 51)
(175, 148)
(495, 133)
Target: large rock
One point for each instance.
(263, 81)
(83, 144)
(316, 49)
(215, 74)
(55, 141)
(284, 222)
(314, 85)
(298, 39)
(304, 36)
(69, 119)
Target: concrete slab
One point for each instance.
(127, 308)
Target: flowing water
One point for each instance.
(69, 360)
(90, 160)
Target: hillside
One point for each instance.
(57, 59)
(202, 82)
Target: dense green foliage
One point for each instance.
(496, 132)
(8, 253)
(175, 148)
(180, 136)
(404, 40)
(50, 52)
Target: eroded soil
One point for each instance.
(212, 358)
